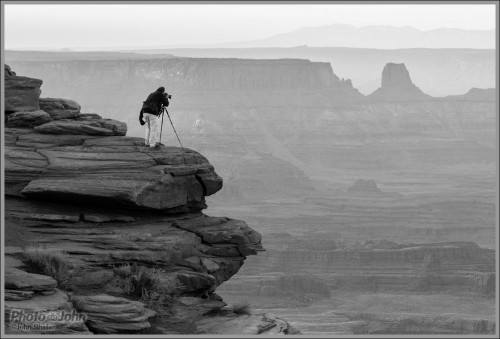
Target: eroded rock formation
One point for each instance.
(75, 183)
(21, 93)
(397, 86)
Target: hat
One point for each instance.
(161, 89)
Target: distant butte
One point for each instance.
(397, 86)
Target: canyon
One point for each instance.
(385, 199)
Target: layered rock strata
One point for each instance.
(75, 183)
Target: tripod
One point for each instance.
(164, 109)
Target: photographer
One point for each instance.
(150, 115)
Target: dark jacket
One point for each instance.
(153, 103)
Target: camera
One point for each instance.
(168, 96)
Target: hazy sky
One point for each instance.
(133, 25)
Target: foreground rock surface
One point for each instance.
(74, 183)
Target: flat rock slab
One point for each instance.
(20, 280)
(113, 168)
(28, 119)
(73, 127)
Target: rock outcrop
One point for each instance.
(60, 108)
(396, 76)
(33, 304)
(21, 93)
(77, 184)
(397, 86)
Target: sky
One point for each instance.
(106, 26)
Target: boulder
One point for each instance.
(8, 71)
(28, 119)
(112, 315)
(22, 94)
(60, 108)
(15, 279)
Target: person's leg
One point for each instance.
(148, 129)
(155, 131)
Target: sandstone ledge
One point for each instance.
(116, 169)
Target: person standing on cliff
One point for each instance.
(151, 112)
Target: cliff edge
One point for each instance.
(100, 225)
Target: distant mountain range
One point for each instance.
(386, 37)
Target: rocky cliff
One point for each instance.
(81, 192)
